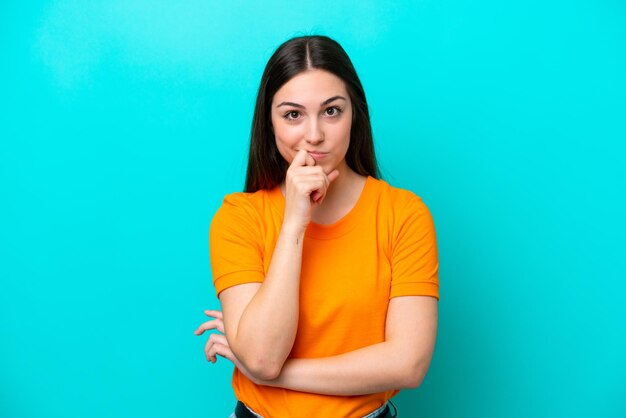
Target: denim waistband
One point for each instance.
(242, 411)
(378, 412)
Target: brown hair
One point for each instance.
(266, 166)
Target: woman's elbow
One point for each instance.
(264, 370)
(414, 375)
(260, 364)
(413, 381)
(261, 368)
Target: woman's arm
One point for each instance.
(260, 320)
(401, 361)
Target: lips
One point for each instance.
(317, 155)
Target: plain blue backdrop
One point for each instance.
(124, 123)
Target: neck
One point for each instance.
(343, 185)
(342, 195)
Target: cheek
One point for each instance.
(286, 138)
(286, 133)
(284, 151)
(342, 132)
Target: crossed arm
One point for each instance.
(401, 361)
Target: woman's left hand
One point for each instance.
(217, 344)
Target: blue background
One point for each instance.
(124, 123)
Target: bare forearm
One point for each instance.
(376, 368)
(268, 325)
(265, 330)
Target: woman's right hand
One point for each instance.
(306, 185)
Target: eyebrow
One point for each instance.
(325, 102)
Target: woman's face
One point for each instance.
(313, 111)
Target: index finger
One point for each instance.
(303, 158)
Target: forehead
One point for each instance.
(312, 86)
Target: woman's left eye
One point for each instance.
(333, 111)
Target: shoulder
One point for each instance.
(398, 200)
(242, 199)
(243, 203)
(240, 210)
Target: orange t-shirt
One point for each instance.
(383, 248)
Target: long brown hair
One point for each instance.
(266, 167)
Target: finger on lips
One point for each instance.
(310, 161)
(301, 159)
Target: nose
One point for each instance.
(314, 134)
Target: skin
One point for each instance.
(312, 113)
(311, 120)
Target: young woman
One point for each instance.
(327, 275)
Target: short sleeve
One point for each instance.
(414, 257)
(235, 244)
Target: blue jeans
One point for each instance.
(373, 414)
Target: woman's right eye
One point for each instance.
(291, 115)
